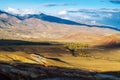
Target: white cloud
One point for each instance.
(12, 10)
(93, 22)
(82, 16)
(85, 16)
(62, 13)
(21, 11)
(109, 15)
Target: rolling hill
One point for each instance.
(45, 27)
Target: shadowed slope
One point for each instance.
(25, 71)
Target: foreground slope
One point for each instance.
(46, 61)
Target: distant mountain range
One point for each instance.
(42, 26)
(49, 18)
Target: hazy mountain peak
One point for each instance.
(2, 12)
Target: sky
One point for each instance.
(54, 6)
(91, 11)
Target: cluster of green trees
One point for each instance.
(76, 45)
(77, 48)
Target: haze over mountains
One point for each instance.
(42, 26)
(102, 16)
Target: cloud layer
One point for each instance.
(22, 11)
(56, 4)
(50, 4)
(93, 16)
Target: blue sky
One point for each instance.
(56, 5)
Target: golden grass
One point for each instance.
(98, 61)
(92, 64)
(28, 58)
(13, 56)
(87, 63)
(18, 57)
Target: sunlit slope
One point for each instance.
(22, 57)
(96, 62)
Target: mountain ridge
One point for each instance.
(54, 19)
